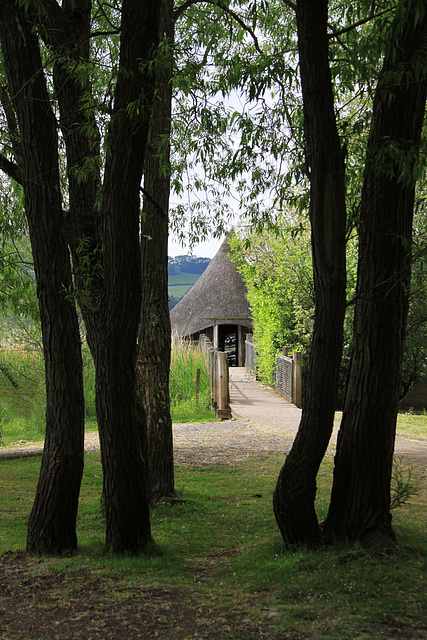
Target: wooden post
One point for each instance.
(240, 346)
(297, 379)
(223, 409)
(212, 375)
(197, 385)
(215, 335)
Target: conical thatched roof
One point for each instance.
(218, 295)
(416, 399)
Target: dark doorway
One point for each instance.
(227, 341)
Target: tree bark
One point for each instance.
(125, 488)
(67, 32)
(360, 500)
(296, 486)
(52, 523)
(154, 335)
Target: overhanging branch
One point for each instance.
(11, 169)
(220, 5)
(351, 27)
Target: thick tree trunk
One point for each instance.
(296, 486)
(360, 501)
(52, 524)
(125, 488)
(154, 335)
(67, 32)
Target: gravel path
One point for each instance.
(226, 443)
(197, 444)
(229, 442)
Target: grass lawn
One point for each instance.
(412, 426)
(178, 291)
(183, 278)
(180, 284)
(409, 425)
(218, 568)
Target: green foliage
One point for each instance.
(89, 273)
(414, 366)
(237, 127)
(277, 272)
(404, 484)
(17, 278)
(263, 150)
(237, 130)
(218, 82)
(88, 383)
(242, 97)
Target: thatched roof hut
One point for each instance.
(416, 399)
(217, 306)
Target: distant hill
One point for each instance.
(183, 271)
(187, 264)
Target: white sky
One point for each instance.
(202, 250)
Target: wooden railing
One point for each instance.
(250, 354)
(218, 376)
(287, 371)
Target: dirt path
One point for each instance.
(231, 442)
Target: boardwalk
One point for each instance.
(253, 401)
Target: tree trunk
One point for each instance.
(360, 501)
(67, 32)
(154, 336)
(125, 490)
(296, 486)
(52, 523)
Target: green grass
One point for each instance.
(223, 542)
(179, 285)
(408, 425)
(412, 426)
(22, 391)
(183, 278)
(179, 291)
(185, 407)
(22, 395)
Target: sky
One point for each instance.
(202, 250)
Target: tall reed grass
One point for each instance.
(186, 360)
(23, 392)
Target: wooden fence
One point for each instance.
(287, 371)
(218, 376)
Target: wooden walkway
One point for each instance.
(253, 401)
